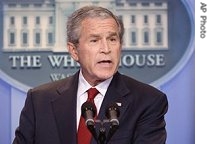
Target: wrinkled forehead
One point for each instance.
(102, 24)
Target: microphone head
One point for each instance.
(88, 112)
(88, 106)
(112, 111)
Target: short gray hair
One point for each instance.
(74, 21)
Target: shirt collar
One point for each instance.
(83, 85)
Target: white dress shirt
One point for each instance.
(83, 86)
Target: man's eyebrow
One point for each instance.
(113, 34)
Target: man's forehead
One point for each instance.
(99, 27)
(108, 20)
(109, 33)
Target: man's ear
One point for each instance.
(72, 51)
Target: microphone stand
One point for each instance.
(102, 135)
(102, 131)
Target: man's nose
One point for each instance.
(105, 48)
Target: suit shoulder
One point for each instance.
(54, 87)
(144, 94)
(51, 85)
(136, 85)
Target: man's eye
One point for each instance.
(113, 39)
(93, 40)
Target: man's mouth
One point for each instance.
(105, 61)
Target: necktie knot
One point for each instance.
(92, 92)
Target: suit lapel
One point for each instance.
(117, 93)
(64, 107)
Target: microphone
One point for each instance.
(112, 113)
(88, 111)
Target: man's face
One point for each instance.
(99, 49)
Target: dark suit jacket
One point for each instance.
(49, 114)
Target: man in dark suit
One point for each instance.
(52, 111)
